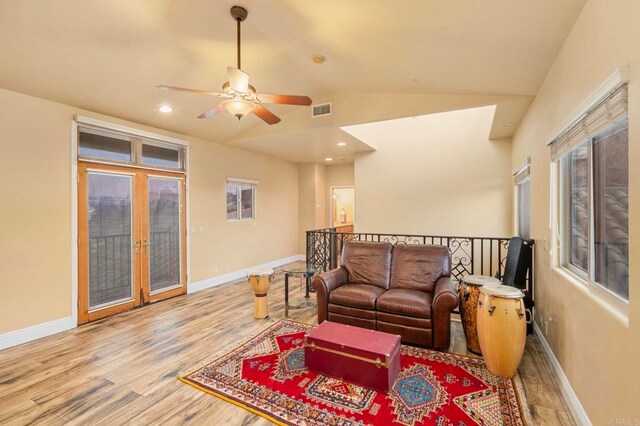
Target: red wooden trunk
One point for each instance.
(365, 357)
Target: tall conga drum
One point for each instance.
(469, 292)
(502, 328)
(260, 281)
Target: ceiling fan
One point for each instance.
(241, 97)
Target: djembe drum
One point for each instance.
(260, 281)
(469, 292)
(502, 328)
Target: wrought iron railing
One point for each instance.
(469, 255)
(110, 268)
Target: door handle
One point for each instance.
(137, 246)
(146, 244)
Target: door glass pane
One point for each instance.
(110, 260)
(578, 204)
(104, 146)
(611, 205)
(232, 202)
(161, 156)
(246, 202)
(164, 233)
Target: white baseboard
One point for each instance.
(577, 410)
(24, 335)
(242, 273)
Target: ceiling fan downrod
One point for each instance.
(239, 14)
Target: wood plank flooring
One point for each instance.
(122, 370)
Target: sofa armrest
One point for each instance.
(324, 284)
(445, 300)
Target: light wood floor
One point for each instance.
(122, 370)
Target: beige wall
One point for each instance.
(322, 197)
(436, 175)
(35, 219)
(340, 175)
(306, 202)
(314, 187)
(596, 343)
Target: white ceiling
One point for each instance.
(107, 56)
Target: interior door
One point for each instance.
(132, 233)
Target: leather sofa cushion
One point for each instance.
(405, 301)
(356, 295)
(367, 262)
(419, 266)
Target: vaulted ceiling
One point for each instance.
(385, 59)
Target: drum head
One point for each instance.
(502, 291)
(479, 280)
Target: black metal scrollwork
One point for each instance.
(469, 255)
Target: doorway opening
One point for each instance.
(343, 208)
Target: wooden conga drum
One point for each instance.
(469, 292)
(260, 281)
(502, 328)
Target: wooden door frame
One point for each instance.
(84, 315)
(139, 232)
(75, 123)
(148, 297)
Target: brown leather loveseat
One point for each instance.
(403, 289)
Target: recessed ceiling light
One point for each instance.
(166, 109)
(341, 144)
(318, 59)
(328, 159)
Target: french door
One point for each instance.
(131, 245)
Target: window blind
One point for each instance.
(610, 110)
(522, 173)
(242, 182)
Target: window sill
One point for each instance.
(613, 304)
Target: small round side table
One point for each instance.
(305, 273)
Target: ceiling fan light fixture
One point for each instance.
(241, 97)
(239, 107)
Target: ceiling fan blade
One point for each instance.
(284, 99)
(266, 115)
(213, 111)
(183, 89)
(238, 79)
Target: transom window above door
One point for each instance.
(110, 146)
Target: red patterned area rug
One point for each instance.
(267, 376)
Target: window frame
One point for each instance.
(563, 223)
(136, 143)
(565, 216)
(521, 176)
(239, 187)
(518, 219)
